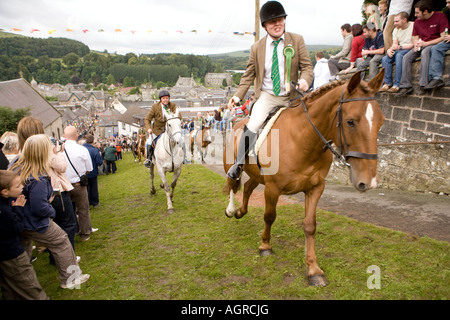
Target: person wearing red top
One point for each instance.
(357, 45)
(429, 30)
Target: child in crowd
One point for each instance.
(17, 277)
(33, 166)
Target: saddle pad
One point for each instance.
(263, 135)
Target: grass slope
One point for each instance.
(141, 252)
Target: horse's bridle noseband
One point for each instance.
(172, 134)
(338, 116)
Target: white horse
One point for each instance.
(167, 157)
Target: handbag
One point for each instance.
(84, 178)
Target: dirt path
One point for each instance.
(413, 213)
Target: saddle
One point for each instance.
(267, 125)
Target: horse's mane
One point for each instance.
(329, 86)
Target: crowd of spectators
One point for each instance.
(396, 34)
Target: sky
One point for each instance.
(167, 26)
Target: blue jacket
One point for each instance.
(11, 226)
(37, 209)
(96, 158)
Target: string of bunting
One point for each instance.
(118, 30)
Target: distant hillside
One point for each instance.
(13, 45)
(4, 34)
(237, 60)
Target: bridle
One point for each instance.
(170, 135)
(341, 136)
(167, 130)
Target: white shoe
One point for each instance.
(94, 229)
(75, 282)
(78, 259)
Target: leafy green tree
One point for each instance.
(71, 59)
(10, 118)
(110, 79)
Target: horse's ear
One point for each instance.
(377, 81)
(354, 82)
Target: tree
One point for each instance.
(110, 79)
(71, 59)
(10, 118)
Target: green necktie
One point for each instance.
(275, 71)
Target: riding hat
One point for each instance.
(164, 93)
(271, 10)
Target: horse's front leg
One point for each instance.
(165, 185)
(204, 153)
(176, 175)
(316, 277)
(271, 195)
(249, 186)
(152, 177)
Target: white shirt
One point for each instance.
(321, 73)
(81, 159)
(397, 6)
(267, 84)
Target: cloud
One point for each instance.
(319, 23)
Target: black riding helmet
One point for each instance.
(163, 93)
(271, 10)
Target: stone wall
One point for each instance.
(410, 155)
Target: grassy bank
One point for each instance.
(141, 252)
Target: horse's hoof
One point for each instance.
(170, 210)
(161, 186)
(152, 190)
(229, 215)
(265, 252)
(318, 280)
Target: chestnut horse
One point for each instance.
(345, 113)
(140, 147)
(203, 139)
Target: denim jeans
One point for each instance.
(224, 124)
(436, 67)
(387, 65)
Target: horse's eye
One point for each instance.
(351, 123)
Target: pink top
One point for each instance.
(58, 166)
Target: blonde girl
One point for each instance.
(33, 166)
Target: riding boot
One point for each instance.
(248, 140)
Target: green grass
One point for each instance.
(142, 252)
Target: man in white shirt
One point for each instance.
(78, 159)
(321, 70)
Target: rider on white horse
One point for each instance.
(155, 122)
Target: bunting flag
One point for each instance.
(149, 31)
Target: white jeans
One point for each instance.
(262, 107)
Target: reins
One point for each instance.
(339, 124)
